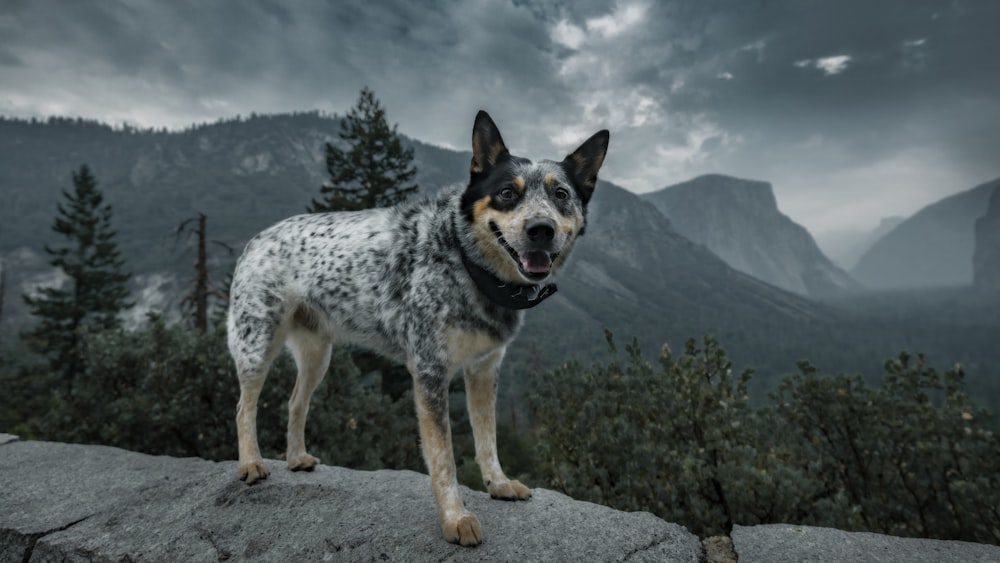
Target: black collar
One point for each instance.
(505, 294)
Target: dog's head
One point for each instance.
(524, 216)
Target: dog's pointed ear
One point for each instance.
(583, 163)
(487, 144)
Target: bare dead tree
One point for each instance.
(198, 297)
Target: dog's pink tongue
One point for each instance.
(536, 262)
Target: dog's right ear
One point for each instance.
(487, 144)
(585, 161)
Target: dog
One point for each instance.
(439, 284)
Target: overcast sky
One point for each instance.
(854, 110)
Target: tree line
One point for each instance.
(677, 437)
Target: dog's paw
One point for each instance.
(303, 462)
(464, 530)
(509, 490)
(253, 471)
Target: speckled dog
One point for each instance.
(438, 284)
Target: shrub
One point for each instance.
(913, 458)
(682, 441)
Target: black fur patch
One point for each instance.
(490, 183)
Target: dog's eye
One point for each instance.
(508, 194)
(561, 193)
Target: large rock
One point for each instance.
(784, 543)
(66, 502)
(986, 257)
(740, 222)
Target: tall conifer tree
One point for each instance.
(375, 170)
(97, 290)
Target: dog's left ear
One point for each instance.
(487, 144)
(585, 161)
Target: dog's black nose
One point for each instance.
(541, 230)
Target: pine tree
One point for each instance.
(97, 291)
(375, 170)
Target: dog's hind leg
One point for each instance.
(312, 356)
(254, 341)
(481, 395)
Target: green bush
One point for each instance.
(683, 442)
(914, 457)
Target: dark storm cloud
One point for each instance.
(871, 103)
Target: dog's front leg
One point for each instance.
(431, 393)
(481, 396)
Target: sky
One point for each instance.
(853, 110)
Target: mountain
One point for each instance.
(845, 247)
(632, 272)
(986, 257)
(739, 221)
(932, 248)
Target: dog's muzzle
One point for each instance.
(535, 262)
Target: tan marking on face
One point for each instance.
(480, 206)
(489, 246)
(568, 224)
(551, 180)
(518, 183)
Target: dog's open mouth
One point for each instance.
(534, 264)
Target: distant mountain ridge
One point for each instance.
(739, 221)
(932, 248)
(986, 257)
(845, 247)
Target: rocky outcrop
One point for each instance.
(740, 222)
(986, 256)
(933, 248)
(64, 502)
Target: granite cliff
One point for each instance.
(740, 222)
